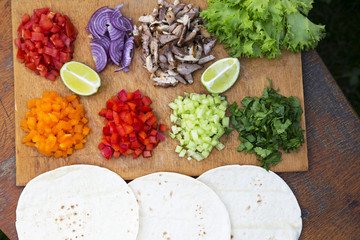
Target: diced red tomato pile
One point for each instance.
(45, 42)
(130, 126)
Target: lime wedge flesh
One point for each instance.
(80, 78)
(221, 75)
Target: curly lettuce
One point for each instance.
(258, 28)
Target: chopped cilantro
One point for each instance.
(267, 124)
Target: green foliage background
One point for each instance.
(3, 236)
(340, 50)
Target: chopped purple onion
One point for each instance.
(115, 33)
(128, 50)
(120, 22)
(98, 21)
(99, 56)
(116, 50)
(112, 40)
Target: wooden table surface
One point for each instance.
(328, 194)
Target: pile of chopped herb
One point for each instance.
(267, 124)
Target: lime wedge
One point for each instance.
(80, 78)
(221, 75)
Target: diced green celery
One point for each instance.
(199, 121)
(225, 121)
(199, 148)
(171, 135)
(219, 146)
(190, 152)
(205, 154)
(217, 100)
(182, 153)
(198, 157)
(173, 118)
(214, 142)
(174, 129)
(191, 145)
(194, 136)
(173, 106)
(206, 139)
(178, 149)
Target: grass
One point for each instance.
(340, 50)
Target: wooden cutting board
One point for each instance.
(285, 73)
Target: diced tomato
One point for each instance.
(42, 56)
(57, 63)
(69, 29)
(30, 65)
(44, 73)
(55, 28)
(47, 59)
(40, 11)
(51, 15)
(36, 60)
(64, 57)
(34, 19)
(60, 20)
(55, 72)
(25, 18)
(29, 45)
(17, 42)
(37, 36)
(20, 55)
(26, 34)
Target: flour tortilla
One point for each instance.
(178, 207)
(261, 205)
(77, 202)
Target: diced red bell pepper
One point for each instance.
(107, 152)
(146, 154)
(151, 120)
(146, 100)
(114, 138)
(101, 146)
(162, 128)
